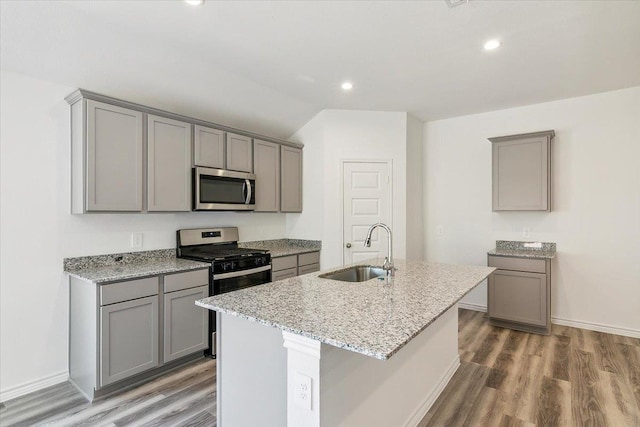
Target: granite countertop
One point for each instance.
(374, 318)
(284, 247)
(543, 250)
(131, 265)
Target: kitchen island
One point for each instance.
(309, 351)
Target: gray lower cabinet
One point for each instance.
(294, 265)
(266, 166)
(106, 151)
(521, 172)
(208, 147)
(168, 164)
(308, 263)
(290, 179)
(519, 294)
(239, 153)
(124, 332)
(128, 339)
(185, 324)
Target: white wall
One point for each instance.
(335, 135)
(415, 189)
(38, 231)
(596, 216)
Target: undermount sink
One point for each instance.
(358, 273)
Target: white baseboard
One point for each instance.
(474, 307)
(31, 386)
(615, 330)
(424, 407)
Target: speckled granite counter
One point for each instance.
(284, 247)
(517, 249)
(131, 265)
(373, 318)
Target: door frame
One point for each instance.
(388, 162)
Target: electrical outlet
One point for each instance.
(526, 232)
(136, 240)
(302, 390)
(439, 230)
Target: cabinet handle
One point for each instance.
(348, 245)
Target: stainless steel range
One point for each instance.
(232, 268)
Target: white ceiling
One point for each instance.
(270, 66)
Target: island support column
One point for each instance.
(303, 380)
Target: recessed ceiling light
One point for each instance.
(347, 86)
(194, 2)
(492, 44)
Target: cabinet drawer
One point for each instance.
(189, 279)
(517, 264)
(284, 274)
(310, 258)
(283, 263)
(125, 291)
(305, 269)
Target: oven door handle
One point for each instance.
(241, 273)
(247, 185)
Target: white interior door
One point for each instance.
(366, 200)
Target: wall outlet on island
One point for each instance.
(136, 240)
(526, 232)
(302, 390)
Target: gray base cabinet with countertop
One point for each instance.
(294, 265)
(124, 332)
(519, 293)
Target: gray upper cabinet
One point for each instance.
(290, 179)
(169, 164)
(127, 157)
(208, 147)
(521, 168)
(266, 166)
(239, 153)
(111, 171)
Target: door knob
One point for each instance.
(348, 245)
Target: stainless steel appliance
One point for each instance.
(223, 190)
(232, 268)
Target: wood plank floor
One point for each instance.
(573, 377)
(185, 397)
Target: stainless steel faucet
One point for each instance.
(388, 261)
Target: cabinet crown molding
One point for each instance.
(80, 94)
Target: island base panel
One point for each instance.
(348, 388)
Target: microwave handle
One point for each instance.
(247, 185)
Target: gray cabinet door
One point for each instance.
(518, 297)
(521, 168)
(208, 147)
(168, 165)
(239, 153)
(114, 158)
(290, 179)
(266, 166)
(129, 339)
(185, 324)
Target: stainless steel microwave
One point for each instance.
(223, 190)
